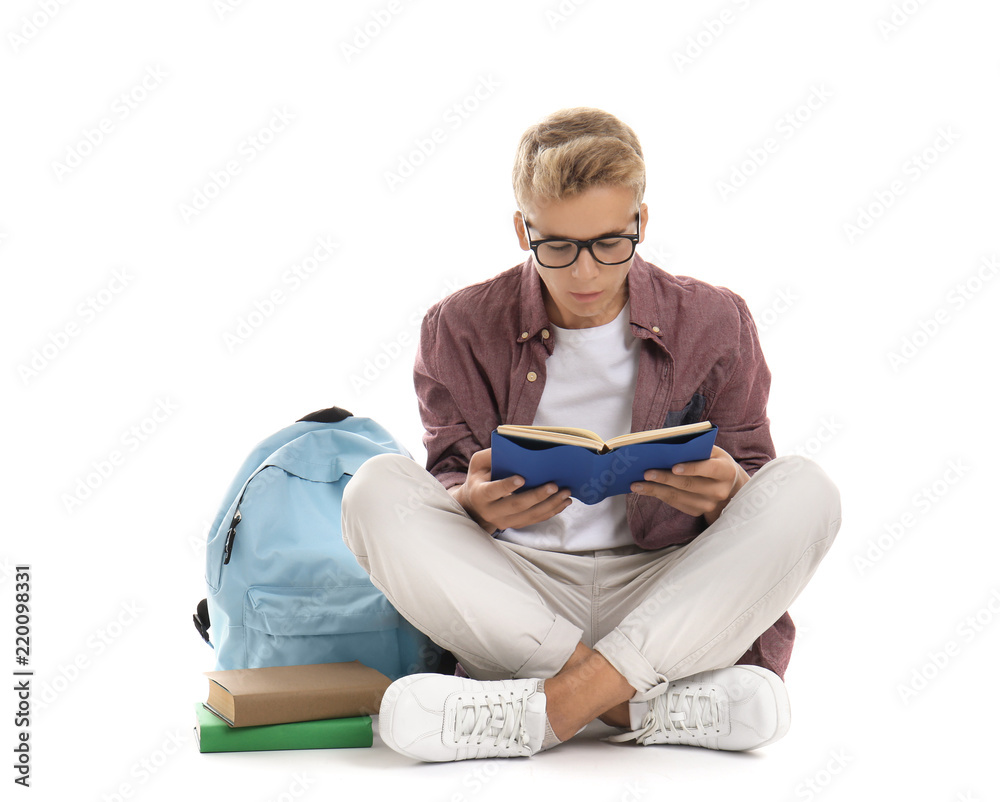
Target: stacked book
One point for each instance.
(320, 706)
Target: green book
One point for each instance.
(215, 735)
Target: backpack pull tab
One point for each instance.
(230, 537)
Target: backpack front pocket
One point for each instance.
(298, 625)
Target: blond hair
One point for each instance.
(574, 149)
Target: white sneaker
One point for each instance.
(737, 709)
(435, 717)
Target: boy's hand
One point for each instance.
(493, 506)
(702, 487)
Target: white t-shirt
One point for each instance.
(590, 383)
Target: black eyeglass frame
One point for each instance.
(581, 244)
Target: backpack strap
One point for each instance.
(201, 622)
(329, 415)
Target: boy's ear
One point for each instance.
(643, 219)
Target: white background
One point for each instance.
(910, 439)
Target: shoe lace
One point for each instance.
(689, 710)
(492, 720)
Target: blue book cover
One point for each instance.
(593, 476)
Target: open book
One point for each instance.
(571, 436)
(593, 468)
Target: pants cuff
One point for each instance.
(630, 663)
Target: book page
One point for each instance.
(562, 435)
(658, 434)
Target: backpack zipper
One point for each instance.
(230, 537)
(231, 534)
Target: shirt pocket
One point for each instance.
(692, 412)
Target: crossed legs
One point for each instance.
(504, 615)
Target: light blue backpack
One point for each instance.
(283, 589)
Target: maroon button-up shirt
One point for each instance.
(481, 362)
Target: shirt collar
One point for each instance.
(646, 319)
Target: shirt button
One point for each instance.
(524, 335)
(545, 334)
(656, 329)
(532, 376)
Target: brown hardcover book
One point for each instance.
(246, 697)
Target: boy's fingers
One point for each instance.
(539, 512)
(529, 507)
(501, 488)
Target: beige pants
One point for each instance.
(506, 610)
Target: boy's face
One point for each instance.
(586, 293)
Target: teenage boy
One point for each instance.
(662, 611)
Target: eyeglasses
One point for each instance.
(557, 253)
